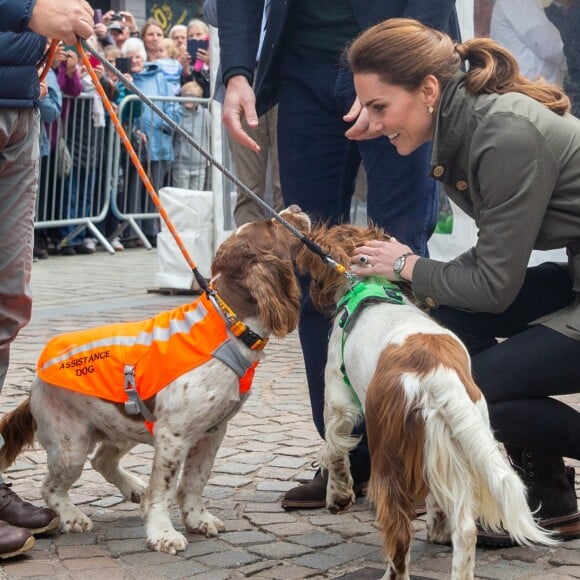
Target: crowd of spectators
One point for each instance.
(73, 183)
(540, 33)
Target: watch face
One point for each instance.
(398, 265)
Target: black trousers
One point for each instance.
(520, 375)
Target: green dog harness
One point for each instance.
(371, 290)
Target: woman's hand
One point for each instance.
(202, 55)
(376, 259)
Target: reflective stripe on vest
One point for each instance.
(160, 349)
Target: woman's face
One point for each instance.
(195, 32)
(399, 114)
(180, 38)
(152, 36)
(137, 61)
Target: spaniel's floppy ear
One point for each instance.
(274, 286)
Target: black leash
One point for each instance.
(313, 247)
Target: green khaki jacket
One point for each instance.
(514, 167)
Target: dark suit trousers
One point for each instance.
(318, 167)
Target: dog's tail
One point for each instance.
(461, 452)
(396, 435)
(17, 429)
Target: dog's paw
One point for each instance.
(169, 541)
(72, 520)
(204, 523)
(133, 488)
(336, 503)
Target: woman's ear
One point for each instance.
(430, 90)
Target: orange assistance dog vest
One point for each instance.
(131, 362)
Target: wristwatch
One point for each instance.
(399, 264)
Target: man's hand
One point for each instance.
(361, 129)
(240, 103)
(62, 19)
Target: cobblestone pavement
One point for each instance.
(269, 446)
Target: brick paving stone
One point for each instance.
(279, 550)
(75, 539)
(254, 570)
(89, 563)
(235, 468)
(70, 552)
(350, 530)
(261, 519)
(316, 539)
(246, 538)
(254, 459)
(321, 562)
(147, 559)
(351, 551)
(565, 558)
(21, 569)
(275, 485)
(97, 574)
(180, 569)
(228, 559)
(289, 529)
(282, 474)
(238, 525)
(121, 533)
(260, 507)
(201, 546)
(121, 547)
(288, 462)
(289, 573)
(229, 481)
(213, 575)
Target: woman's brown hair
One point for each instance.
(403, 52)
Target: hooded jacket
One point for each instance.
(152, 82)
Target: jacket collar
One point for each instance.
(451, 123)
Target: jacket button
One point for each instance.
(430, 302)
(439, 171)
(462, 185)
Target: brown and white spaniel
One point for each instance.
(427, 422)
(253, 273)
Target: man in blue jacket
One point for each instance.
(23, 27)
(323, 134)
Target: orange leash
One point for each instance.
(49, 59)
(141, 171)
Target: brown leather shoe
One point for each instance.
(312, 495)
(22, 514)
(14, 541)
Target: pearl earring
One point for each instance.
(430, 109)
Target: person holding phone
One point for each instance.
(197, 67)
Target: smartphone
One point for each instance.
(193, 45)
(98, 16)
(123, 65)
(94, 61)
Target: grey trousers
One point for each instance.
(252, 169)
(19, 151)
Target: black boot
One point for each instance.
(550, 491)
(312, 495)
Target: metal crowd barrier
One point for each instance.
(78, 192)
(130, 202)
(72, 192)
